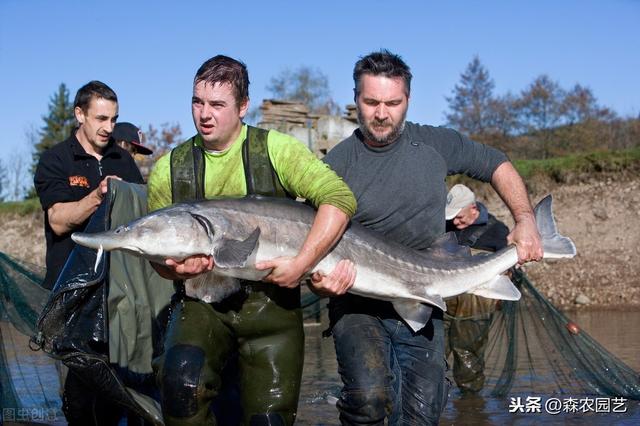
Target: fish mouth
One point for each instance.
(131, 249)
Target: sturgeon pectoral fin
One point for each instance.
(414, 313)
(447, 247)
(500, 287)
(236, 253)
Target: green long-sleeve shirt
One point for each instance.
(301, 173)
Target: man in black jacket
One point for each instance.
(71, 177)
(71, 180)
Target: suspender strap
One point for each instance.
(473, 237)
(187, 172)
(188, 169)
(260, 176)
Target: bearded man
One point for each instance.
(397, 172)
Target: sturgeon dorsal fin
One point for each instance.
(446, 246)
(235, 253)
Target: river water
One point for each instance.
(617, 331)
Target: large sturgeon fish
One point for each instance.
(238, 232)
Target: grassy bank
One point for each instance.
(543, 175)
(21, 208)
(561, 168)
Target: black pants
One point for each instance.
(82, 406)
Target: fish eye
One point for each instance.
(120, 229)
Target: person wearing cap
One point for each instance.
(129, 138)
(468, 317)
(397, 171)
(71, 180)
(472, 223)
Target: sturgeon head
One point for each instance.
(178, 232)
(169, 233)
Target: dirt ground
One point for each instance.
(602, 216)
(23, 237)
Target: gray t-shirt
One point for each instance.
(400, 188)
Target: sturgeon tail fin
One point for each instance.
(555, 245)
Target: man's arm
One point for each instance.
(304, 176)
(328, 226)
(65, 217)
(509, 185)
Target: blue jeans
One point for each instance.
(387, 370)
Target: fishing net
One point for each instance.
(533, 348)
(29, 384)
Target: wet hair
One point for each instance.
(223, 69)
(90, 90)
(382, 63)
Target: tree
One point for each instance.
(502, 115)
(540, 105)
(587, 126)
(3, 181)
(32, 137)
(18, 176)
(163, 139)
(307, 85)
(58, 123)
(579, 105)
(160, 140)
(470, 103)
(540, 109)
(503, 123)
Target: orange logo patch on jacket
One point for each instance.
(79, 181)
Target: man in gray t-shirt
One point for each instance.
(397, 171)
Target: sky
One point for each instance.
(148, 52)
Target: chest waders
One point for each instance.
(467, 324)
(258, 328)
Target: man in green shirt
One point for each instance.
(262, 324)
